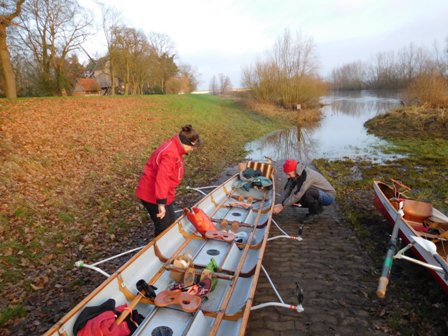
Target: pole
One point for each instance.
(388, 261)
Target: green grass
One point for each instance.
(11, 312)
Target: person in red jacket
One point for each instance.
(162, 174)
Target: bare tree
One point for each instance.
(52, 30)
(111, 21)
(289, 76)
(225, 85)
(9, 11)
(165, 52)
(213, 88)
(349, 76)
(190, 74)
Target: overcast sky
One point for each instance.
(222, 36)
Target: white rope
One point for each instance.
(206, 187)
(199, 189)
(118, 255)
(81, 264)
(286, 236)
(282, 231)
(298, 308)
(272, 284)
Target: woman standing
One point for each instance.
(162, 174)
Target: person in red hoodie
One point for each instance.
(162, 174)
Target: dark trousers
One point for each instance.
(160, 224)
(310, 200)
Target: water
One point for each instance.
(340, 134)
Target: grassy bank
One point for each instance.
(69, 169)
(416, 299)
(411, 122)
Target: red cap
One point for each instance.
(290, 166)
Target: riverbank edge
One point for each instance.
(410, 122)
(415, 305)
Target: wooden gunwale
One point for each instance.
(223, 307)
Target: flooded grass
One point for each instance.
(418, 299)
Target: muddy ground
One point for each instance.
(337, 274)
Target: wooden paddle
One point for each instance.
(391, 249)
(144, 290)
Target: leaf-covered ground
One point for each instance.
(69, 167)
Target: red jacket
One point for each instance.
(162, 174)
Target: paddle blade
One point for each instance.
(382, 286)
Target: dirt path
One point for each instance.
(334, 272)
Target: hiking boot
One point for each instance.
(315, 209)
(308, 218)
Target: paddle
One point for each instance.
(432, 249)
(144, 290)
(391, 249)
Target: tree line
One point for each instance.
(392, 69)
(41, 41)
(221, 85)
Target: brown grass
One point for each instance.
(299, 117)
(428, 89)
(423, 122)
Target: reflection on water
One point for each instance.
(339, 134)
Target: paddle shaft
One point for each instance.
(131, 307)
(388, 261)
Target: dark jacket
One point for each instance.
(162, 174)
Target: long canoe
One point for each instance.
(226, 311)
(420, 220)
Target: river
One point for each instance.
(339, 135)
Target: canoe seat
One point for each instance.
(266, 168)
(416, 211)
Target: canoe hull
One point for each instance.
(406, 231)
(239, 267)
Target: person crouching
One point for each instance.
(307, 187)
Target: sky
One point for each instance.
(224, 36)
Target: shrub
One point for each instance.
(430, 89)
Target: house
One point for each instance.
(86, 87)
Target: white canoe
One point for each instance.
(410, 227)
(227, 309)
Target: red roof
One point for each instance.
(87, 85)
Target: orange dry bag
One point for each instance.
(200, 220)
